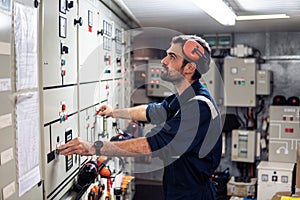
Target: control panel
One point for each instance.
(60, 93)
(157, 87)
(59, 43)
(84, 65)
(284, 133)
(240, 82)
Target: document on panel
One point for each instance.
(25, 27)
(27, 140)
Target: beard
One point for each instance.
(171, 75)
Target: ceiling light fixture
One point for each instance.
(218, 10)
(260, 17)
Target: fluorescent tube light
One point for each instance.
(218, 10)
(259, 17)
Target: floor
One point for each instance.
(148, 190)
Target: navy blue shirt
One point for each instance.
(181, 128)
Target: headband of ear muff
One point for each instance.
(195, 52)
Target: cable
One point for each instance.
(261, 108)
(239, 118)
(251, 118)
(245, 115)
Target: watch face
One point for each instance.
(98, 144)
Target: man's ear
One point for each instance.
(190, 67)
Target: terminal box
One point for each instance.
(273, 177)
(240, 82)
(264, 81)
(243, 145)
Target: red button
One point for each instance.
(284, 118)
(289, 130)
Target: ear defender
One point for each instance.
(193, 50)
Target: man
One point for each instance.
(187, 135)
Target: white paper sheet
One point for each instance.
(26, 181)
(25, 26)
(28, 140)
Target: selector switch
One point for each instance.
(63, 114)
(107, 71)
(70, 4)
(63, 62)
(63, 107)
(274, 178)
(119, 61)
(63, 72)
(64, 49)
(107, 59)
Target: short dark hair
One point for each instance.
(183, 38)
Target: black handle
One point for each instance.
(70, 4)
(64, 49)
(78, 21)
(36, 3)
(100, 32)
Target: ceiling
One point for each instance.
(185, 17)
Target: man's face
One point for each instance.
(172, 65)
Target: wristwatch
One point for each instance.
(98, 145)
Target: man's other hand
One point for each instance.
(105, 110)
(77, 146)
